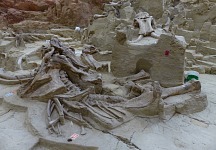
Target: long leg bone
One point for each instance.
(141, 75)
(193, 85)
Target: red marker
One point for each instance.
(166, 52)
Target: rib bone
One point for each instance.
(60, 110)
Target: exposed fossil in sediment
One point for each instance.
(73, 91)
(9, 79)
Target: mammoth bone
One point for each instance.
(60, 72)
(105, 112)
(8, 79)
(74, 92)
(146, 25)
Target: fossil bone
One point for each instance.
(83, 131)
(51, 123)
(89, 59)
(60, 110)
(69, 53)
(141, 75)
(74, 91)
(193, 85)
(5, 75)
(146, 25)
(96, 16)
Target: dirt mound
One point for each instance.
(66, 12)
